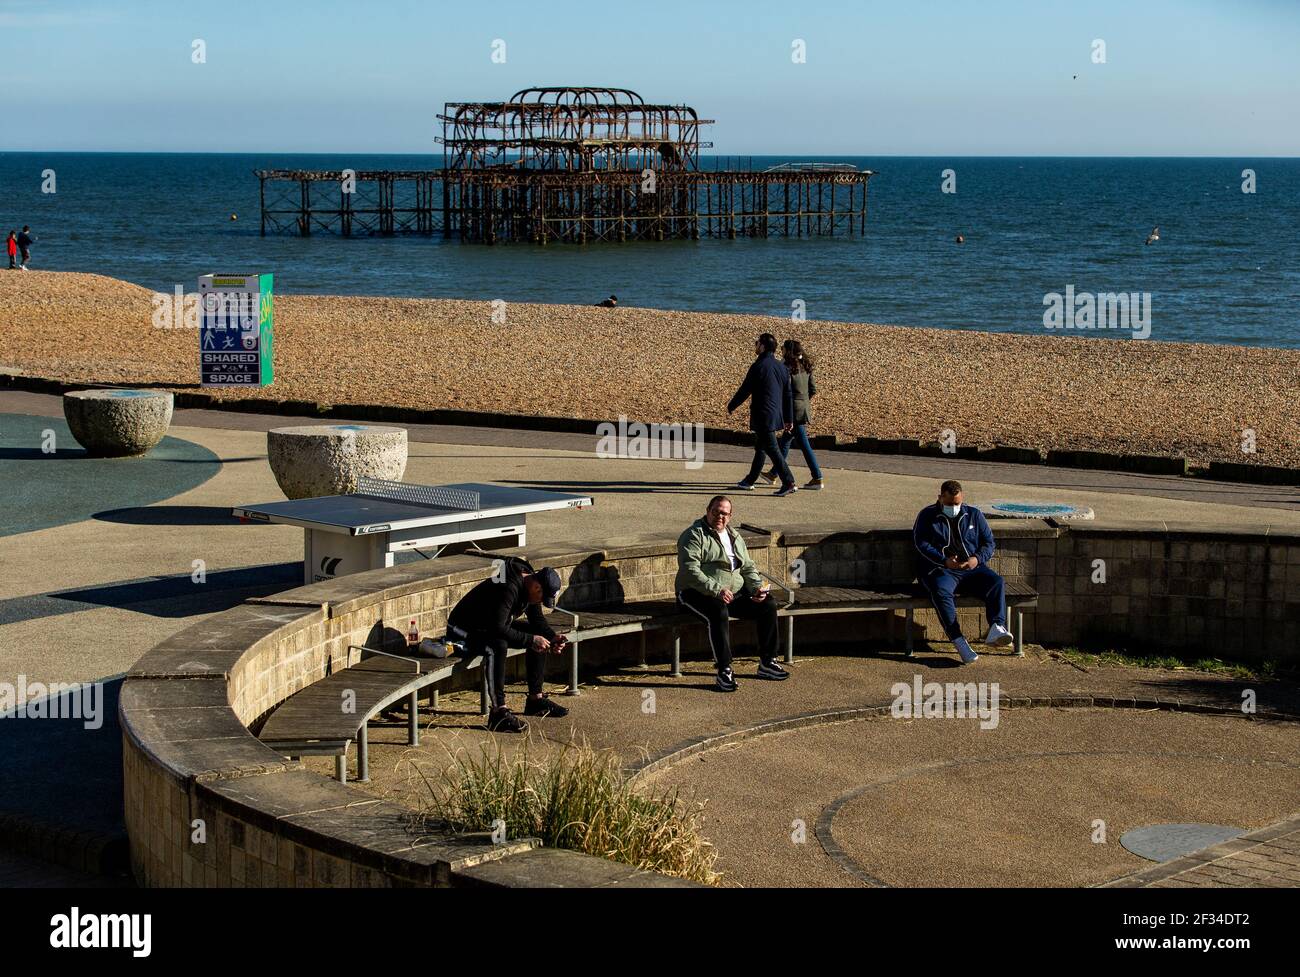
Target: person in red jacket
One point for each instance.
(13, 250)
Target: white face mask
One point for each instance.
(951, 510)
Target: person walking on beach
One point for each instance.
(12, 245)
(803, 389)
(484, 619)
(716, 581)
(954, 545)
(25, 240)
(771, 411)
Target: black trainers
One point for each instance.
(785, 490)
(772, 670)
(544, 707)
(502, 720)
(726, 681)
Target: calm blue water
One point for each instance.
(1226, 270)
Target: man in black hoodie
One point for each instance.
(771, 411)
(484, 619)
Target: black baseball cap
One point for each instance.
(551, 586)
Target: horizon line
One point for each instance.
(764, 155)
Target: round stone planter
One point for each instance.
(327, 459)
(118, 423)
(1060, 511)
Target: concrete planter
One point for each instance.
(327, 459)
(118, 423)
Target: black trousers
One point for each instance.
(765, 446)
(717, 614)
(493, 650)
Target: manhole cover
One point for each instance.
(1038, 510)
(1165, 842)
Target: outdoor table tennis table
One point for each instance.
(345, 534)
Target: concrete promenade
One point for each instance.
(101, 564)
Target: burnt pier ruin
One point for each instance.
(573, 165)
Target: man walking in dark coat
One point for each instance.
(771, 411)
(25, 241)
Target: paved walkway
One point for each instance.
(19, 871)
(833, 797)
(1027, 476)
(85, 595)
(1269, 858)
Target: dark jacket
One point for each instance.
(25, 240)
(930, 535)
(803, 389)
(767, 386)
(493, 606)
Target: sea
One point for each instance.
(1226, 267)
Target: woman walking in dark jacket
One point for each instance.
(800, 365)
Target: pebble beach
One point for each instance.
(1050, 391)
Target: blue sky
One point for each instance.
(945, 77)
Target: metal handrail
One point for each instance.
(789, 594)
(386, 654)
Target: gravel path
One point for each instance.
(882, 381)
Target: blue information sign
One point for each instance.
(235, 330)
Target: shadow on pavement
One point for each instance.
(169, 515)
(171, 597)
(61, 777)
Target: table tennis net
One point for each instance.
(447, 498)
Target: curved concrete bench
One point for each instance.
(190, 707)
(118, 423)
(327, 459)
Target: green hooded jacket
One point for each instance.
(702, 563)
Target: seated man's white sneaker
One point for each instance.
(998, 636)
(965, 650)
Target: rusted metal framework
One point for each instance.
(573, 165)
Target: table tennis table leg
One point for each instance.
(573, 670)
(413, 720)
(677, 654)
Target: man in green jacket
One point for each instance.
(717, 580)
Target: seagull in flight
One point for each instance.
(1154, 236)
